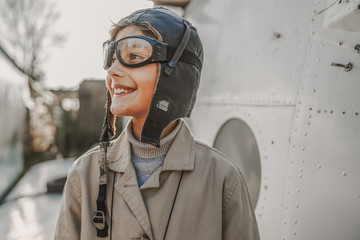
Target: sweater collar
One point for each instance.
(180, 157)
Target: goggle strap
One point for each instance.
(180, 49)
(190, 58)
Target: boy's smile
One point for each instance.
(120, 90)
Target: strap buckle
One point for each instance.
(99, 219)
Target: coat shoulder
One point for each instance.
(210, 156)
(88, 154)
(86, 161)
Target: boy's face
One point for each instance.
(131, 89)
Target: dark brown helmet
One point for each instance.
(178, 80)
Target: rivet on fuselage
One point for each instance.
(357, 46)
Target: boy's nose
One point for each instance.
(117, 69)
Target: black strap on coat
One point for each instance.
(99, 216)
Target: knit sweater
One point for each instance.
(147, 158)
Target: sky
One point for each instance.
(86, 25)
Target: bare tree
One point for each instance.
(26, 34)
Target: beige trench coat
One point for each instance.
(212, 201)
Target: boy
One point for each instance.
(155, 181)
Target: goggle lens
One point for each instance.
(134, 50)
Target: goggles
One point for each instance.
(139, 50)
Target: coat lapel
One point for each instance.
(119, 160)
(128, 188)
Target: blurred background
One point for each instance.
(51, 74)
(52, 95)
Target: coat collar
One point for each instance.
(180, 156)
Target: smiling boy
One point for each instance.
(155, 180)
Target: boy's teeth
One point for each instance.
(120, 90)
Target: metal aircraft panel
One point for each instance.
(283, 68)
(323, 174)
(251, 56)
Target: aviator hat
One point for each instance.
(178, 80)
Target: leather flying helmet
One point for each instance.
(179, 73)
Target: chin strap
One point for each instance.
(99, 216)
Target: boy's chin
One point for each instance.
(116, 111)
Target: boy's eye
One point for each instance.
(133, 57)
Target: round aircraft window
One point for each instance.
(236, 140)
